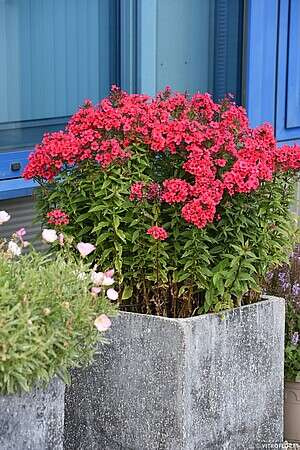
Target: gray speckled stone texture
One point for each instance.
(33, 421)
(182, 384)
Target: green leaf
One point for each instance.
(102, 237)
(121, 235)
(127, 292)
(116, 221)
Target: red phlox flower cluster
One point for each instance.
(175, 190)
(137, 190)
(58, 217)
(141, 191)
(158, 233)
(210, 147)
(153, 191)
(288, 157)
(56, 150)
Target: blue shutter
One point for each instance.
(288, 77)
(260, 60)
(273, 66)
(54, 54)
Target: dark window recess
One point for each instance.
(228, 49)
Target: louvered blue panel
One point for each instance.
(54, 54)
(52, 57)
(22, 212)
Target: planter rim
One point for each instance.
(265, 299)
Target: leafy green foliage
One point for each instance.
(195, 270)
(47, 318)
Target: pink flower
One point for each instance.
(112, 294)
(158, 233)
(49, 236)
(58, 217)
(61, 239)
(109, 273)
(102, 323)
(4, 217)
(107, 281)
(21, 232)
(85, 248)
(97, 278)
(95, 290)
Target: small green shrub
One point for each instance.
(47, 316)
(187, 201)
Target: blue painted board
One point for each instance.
(12, 164)
(293, 75)
(16, 188)
(260, 65)
(288, 77)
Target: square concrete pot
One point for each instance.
(207, 382)
(34, 420)
(292, 412)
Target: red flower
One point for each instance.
(153, 191)
(196, 135)
(175, 190)
(158, 233)
(58, 217)
(137, 191)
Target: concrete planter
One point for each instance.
(33, 421)
(292, 412)
(180, 384)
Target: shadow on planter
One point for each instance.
(205, 382)
(33, 421)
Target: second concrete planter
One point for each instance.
(34, 420)
(206, 382)
(292, 412)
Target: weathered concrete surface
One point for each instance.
(33, 421)
(183, 384)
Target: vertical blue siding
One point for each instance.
(293, 63)
(128, 50)
(54, 54)
(261, 54)
(288, 88)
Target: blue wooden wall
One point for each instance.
(54, 54)
(273, 66)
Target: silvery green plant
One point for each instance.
(53, 311)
